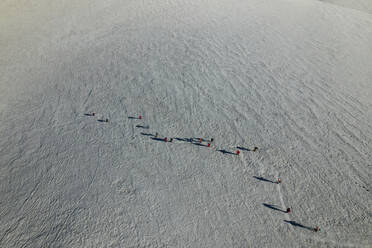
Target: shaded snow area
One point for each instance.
(291, 77)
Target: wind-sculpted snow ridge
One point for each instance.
(289, 77)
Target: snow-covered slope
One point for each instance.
(362, 5)
(290, 77)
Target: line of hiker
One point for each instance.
(200, 141)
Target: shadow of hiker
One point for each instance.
(158, 139)
(147, 134)
(226, 152)
(89, 114)
(273, 207)
(184, 139)
(135, 118)
(243, 148)
(294, 223)
(263, 179)
(144, 127)
(198, 144)
(102, 120)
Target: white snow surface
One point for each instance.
(361, 5)
(292, 77)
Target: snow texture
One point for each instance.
(361, 5)
(292, 77)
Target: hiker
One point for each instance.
(165, 139)
(156, 135)
(316, 229)
(237, 152)
(106, 120)
(288, 210)
(171, 140)
(278, 181)
(255, 148)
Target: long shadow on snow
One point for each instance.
(198, 144)
(263, 179)
(135, 118)
(184, 139)
(226, 152)
(273, 207)
(147, 134)
(243, 148)
(158, 139)
(190, 140)
(144, 127)
(294, 223)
